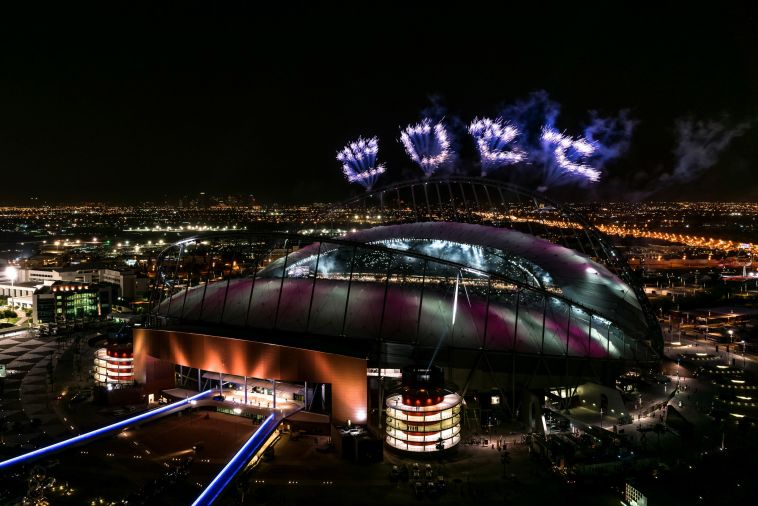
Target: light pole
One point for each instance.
(12, 274)
(677, 372)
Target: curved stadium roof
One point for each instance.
(461, 285)
(575, 275)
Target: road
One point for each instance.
(735, 355)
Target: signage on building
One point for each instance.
(385, 373)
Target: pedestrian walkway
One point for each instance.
(25, 394)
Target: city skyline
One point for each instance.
(477, 253)
(263, 94)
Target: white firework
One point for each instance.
(581, 147)
(427, 144)
(359, 162)
(494, 140)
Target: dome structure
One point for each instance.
(432, 285)
(501, 288)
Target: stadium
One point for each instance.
(505, 292)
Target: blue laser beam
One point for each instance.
(99, 432)
(251, 446)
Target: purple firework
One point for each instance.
(427, 145)
(492, 140)
(359, 162)
(569, 153)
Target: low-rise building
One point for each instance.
(126, 279)
(18, 294)
(64, 301)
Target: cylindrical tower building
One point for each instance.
(423, 416)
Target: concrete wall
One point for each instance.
(347, 375)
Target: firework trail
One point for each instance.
(427, 144)
(567, 155)
(492, 140)
(359, 162)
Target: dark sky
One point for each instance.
(132, 103)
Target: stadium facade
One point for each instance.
(514, 295)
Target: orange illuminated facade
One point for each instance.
(155, 349)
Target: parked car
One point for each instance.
(394, 473)
(416, 472)
(418, 488)
(78, 397)
(404, 473)
(441, 482)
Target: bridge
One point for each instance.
(248, 454)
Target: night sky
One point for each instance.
(131, 104)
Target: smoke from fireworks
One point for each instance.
(492, 140)
(698, 146)
(427, 145)
(359, 162)
(566, 159)
(569, 153)
(610, 136)
(532, 114)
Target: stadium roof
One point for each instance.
(339, 288)
(578, 277)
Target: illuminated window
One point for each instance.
(426, 428)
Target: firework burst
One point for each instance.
(493, 138)
(569, 153)
(427, 144)
(358, 160)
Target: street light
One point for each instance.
(677, 372)
(12, 274)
